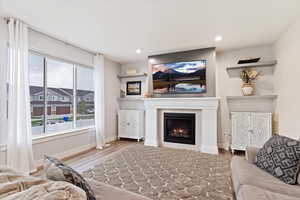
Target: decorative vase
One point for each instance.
(248, 89)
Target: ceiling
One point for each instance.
(118, 27)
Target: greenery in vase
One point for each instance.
(249, 75)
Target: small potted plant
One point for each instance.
(248, 76)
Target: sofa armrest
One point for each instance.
(251, 153)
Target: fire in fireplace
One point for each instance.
(179, 128)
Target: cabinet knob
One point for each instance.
(128, 123)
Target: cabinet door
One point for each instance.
(123, 124)
(261, 129)
(133, 124)
(240, 130)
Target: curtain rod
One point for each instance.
(32, 28)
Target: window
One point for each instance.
(60, 82)
(36, 84)
(85, 97)
(69, 90)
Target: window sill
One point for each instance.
(55, 136)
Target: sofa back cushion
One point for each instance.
(280, 156)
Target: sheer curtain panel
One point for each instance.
(19, 140)
(99, 101)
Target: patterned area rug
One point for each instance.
(165, 173)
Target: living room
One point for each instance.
(149, 99)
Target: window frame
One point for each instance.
(75, 66)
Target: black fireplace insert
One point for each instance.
(179, 128)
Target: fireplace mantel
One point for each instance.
(207, 106)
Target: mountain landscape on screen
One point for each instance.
(180, 78)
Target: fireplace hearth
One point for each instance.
(179, 128)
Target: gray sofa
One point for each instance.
(107, 192)
(252, 183)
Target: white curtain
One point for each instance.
(99, 100)
(149, 80)
(19, 139)
(3, 81)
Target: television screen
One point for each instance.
(180, 78)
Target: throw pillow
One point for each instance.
(57, 171)
(280, 157)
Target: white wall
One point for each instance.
(52, 47)
(287, 50)
(228, 86)
(231, 86)
(112, 92)
(141, 67)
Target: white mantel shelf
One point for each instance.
(130, 99)
(181, 98)
(206, 137)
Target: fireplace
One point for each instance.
(179, 128)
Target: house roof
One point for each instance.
(50, 102)
(60, 91)
(35, 89)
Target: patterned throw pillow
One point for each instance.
(280, 157)
(57, 171)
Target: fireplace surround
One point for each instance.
(205, 110)
(179, 128)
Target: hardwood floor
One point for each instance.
(86, 160)
(90, 159)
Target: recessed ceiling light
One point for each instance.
(218, 38)
(151, 60)
(138, 51)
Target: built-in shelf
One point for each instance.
(256, 97)
(271, 63)
(141, 75)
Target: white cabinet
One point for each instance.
(251, 129)
(131, 124)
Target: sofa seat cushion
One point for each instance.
(107, 192)
(248, 192)
(245, 173)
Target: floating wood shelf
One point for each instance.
(256, 97)
(254, 65)
(132, 75)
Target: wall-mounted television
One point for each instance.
(180, 77)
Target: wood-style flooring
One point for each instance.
(88, 159)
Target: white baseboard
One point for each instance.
(68, 153)
(110, 139)
(209, 149)
(150, 143)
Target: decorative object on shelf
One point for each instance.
(133, 88)
(122, 93)
(250, 60)
(248, 76)
(131, 71)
